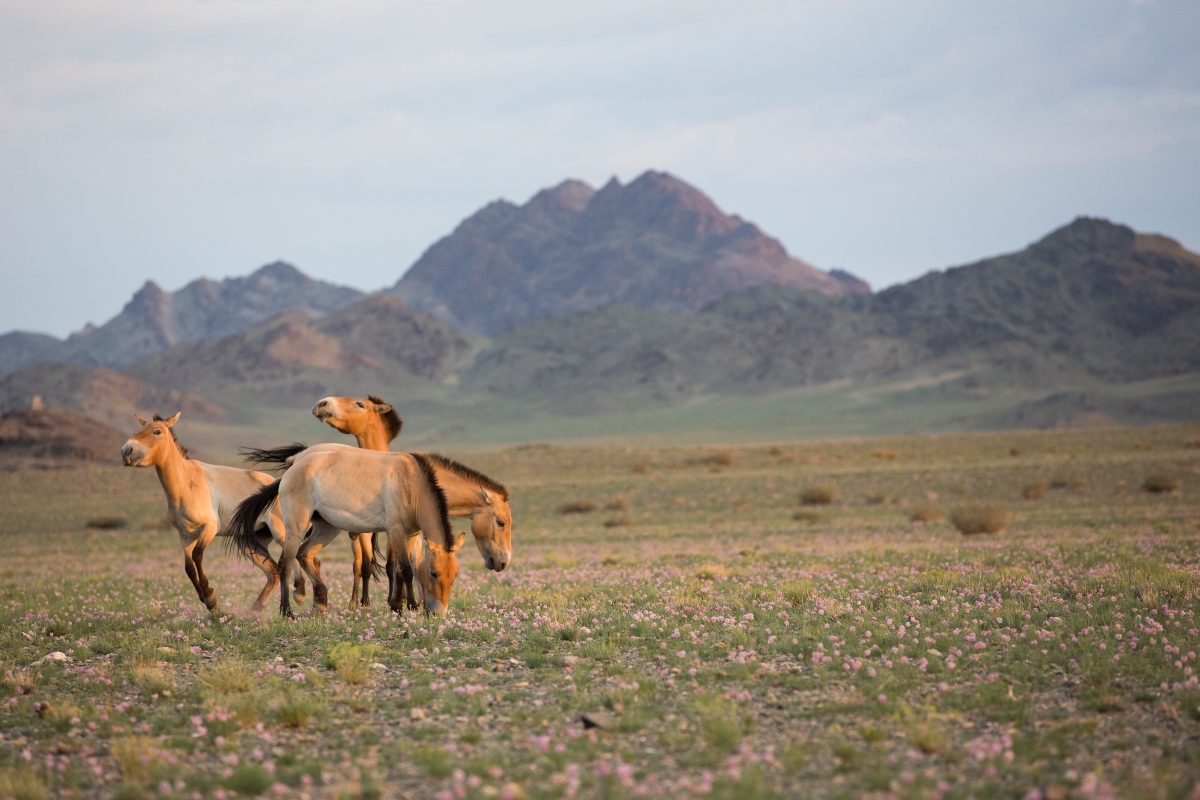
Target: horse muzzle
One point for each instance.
(133, 455)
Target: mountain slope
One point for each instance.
(657, 243)
(100, 394)
(155, 319)
(378, 341)
(1092, 301)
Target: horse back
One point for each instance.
(229, 486)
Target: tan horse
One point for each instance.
(470, 494)
(201, 499)
(359, 491)
(374, 424)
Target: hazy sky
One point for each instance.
(169, 140)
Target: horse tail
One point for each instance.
(245, 519)
(378, 563)
(279, 457)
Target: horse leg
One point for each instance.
(398, 567)
(262, 559)
(408, 571)
(194, 564)
(368, 566)
(357, 550)
(322, 534)
(295, 523)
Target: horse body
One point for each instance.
(373, 423)
(332, 488)
(201, 501)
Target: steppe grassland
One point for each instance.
(730, 640)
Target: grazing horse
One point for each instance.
(360, 491)
(374, 424)
(469, 494)
(201, 499)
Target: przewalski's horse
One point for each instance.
(469, 494)
(201, 499)
(374, 423)
(359, 491)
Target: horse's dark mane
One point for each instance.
(182, 450)
(463, 471)
(439, 496)
(391, 420)
(276, 456)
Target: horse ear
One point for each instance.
(141, 421)
(486, 497)
(458, 542)
(383, 408)
(171, 420)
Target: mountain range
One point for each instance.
(586, 302)
(656, 243)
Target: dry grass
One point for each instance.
(227, 678)
(880, 499)
(576, 507)
(819, 494)
(807, 515)
(618, 522)
(136, 756)
(927, 512)
(1067, 482)
(1193, 441)
(1033, 491)
(709, 572)
(1160, 483)
(107, 522)
(886, 455)
(981, 518)
(21, 784)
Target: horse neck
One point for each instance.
(172, 469)
(462, 496)
(374, 437)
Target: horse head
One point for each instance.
(152, 443)
(436, 571)
(491, 525)
(367, 418)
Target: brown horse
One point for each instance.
(360, 491)
(469, 494)
(373, 423)
(201, 499)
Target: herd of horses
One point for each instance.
(408, 498)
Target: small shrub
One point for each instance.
(152, 680)
(136, 756)
(577, 507)
(1033, 491)
(723, 458)
(1192, 442)
(798, 592)
(929, 738)
(107, 522)
(981, 518)
(880, 499)
(819, 494)
(295, 711)
(618, 503)
(1067, 482)
(719, 724)
(806, 515)
(709, 572)
(156, 524)
(618, 522)
(436, 761)
(227, 678)
(640, 468)
(886, 455)
(927, 512)
(249, 779)
(1160, 483)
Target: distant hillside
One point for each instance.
(657, 243)
(1091, 301)
(155, 319)
(100, 394)
(378, 341)
(51, 437)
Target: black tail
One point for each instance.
(245, 519)
(378, 562)
(278, 456)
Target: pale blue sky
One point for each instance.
(172, 140)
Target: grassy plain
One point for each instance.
(729, 639)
